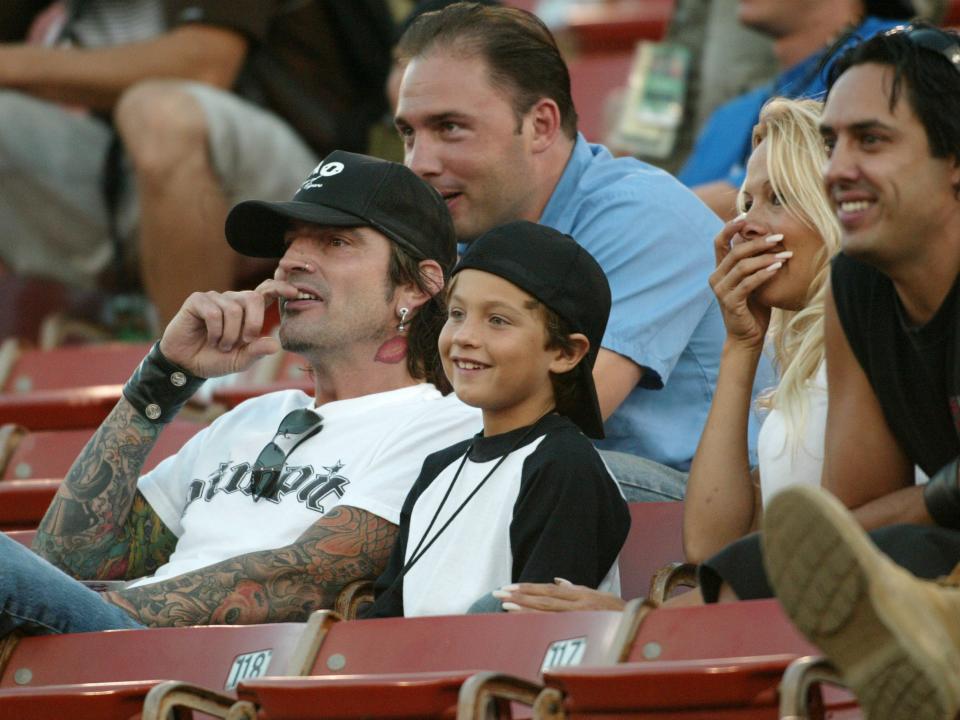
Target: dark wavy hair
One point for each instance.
(929, 81)
(423, 355)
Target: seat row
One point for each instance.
(721, 661)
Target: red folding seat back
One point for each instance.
(655, 540)
(50, 453)
(402, 664)
(73, 367)
(109, 672)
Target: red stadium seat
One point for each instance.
(33, 471)
(51, 453)
(64, 388)
(716, 661)
(616, 26)
(655, 540)
(723, 660)
(359, 662)
(52, 675)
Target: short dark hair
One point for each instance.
(520, 51)
(423, 355)
(565, 385)
(930, 81)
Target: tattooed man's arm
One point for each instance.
(281, 585)
(99, 527)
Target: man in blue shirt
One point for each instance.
(486, 117)
(717, 165)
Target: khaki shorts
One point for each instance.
(53, 217)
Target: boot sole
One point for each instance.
(855, 604)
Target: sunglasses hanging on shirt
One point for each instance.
(295, 428)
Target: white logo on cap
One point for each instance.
(322, 170)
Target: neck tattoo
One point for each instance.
(393, 351)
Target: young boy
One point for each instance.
(528, 499)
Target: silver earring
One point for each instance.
(403, 319)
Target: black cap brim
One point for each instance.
(256, 227)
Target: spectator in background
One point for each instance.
(486, 116)
(306, 77)
(716, 167)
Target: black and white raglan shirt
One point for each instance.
(551, 509)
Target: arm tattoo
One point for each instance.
(98, 525)
(281, 585)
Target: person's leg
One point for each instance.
(644, 480)
(195, 151)
(53, 219)
(38, 599)
(487, 604)
(894, 638)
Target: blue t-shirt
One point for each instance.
(654, 239)
(723, 146)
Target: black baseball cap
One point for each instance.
(563, 276)
(351, 190)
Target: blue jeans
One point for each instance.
(644, 480)
(39, 599)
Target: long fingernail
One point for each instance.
(509, 588)
(740, 217)
(786, 254)
(774, 238)
(774, 267)
(500, 594)
(562, 581)
(510, 606)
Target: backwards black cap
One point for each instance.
(563, 276)
(350, 190)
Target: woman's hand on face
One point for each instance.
(743, 265)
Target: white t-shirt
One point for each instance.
(784, 463)
(367, 455)
(549, 509)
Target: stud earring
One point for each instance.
(403, 319)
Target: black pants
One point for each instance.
(927, 552)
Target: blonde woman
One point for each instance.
(772, 273)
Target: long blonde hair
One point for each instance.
(795, 159)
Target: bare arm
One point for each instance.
(96, 77)
(615, 376)
(722, 501)
(281, 585)
(864, 464)
(722, 494)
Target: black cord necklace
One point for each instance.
(420, 549)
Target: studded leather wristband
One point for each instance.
(942, 496)
(158, 388)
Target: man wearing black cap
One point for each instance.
(266, 514)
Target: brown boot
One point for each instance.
(895, 639)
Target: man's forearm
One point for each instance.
(88, 516)
(96, 77)
(281, 585)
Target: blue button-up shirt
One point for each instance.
(654, 239)
(723, 146)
